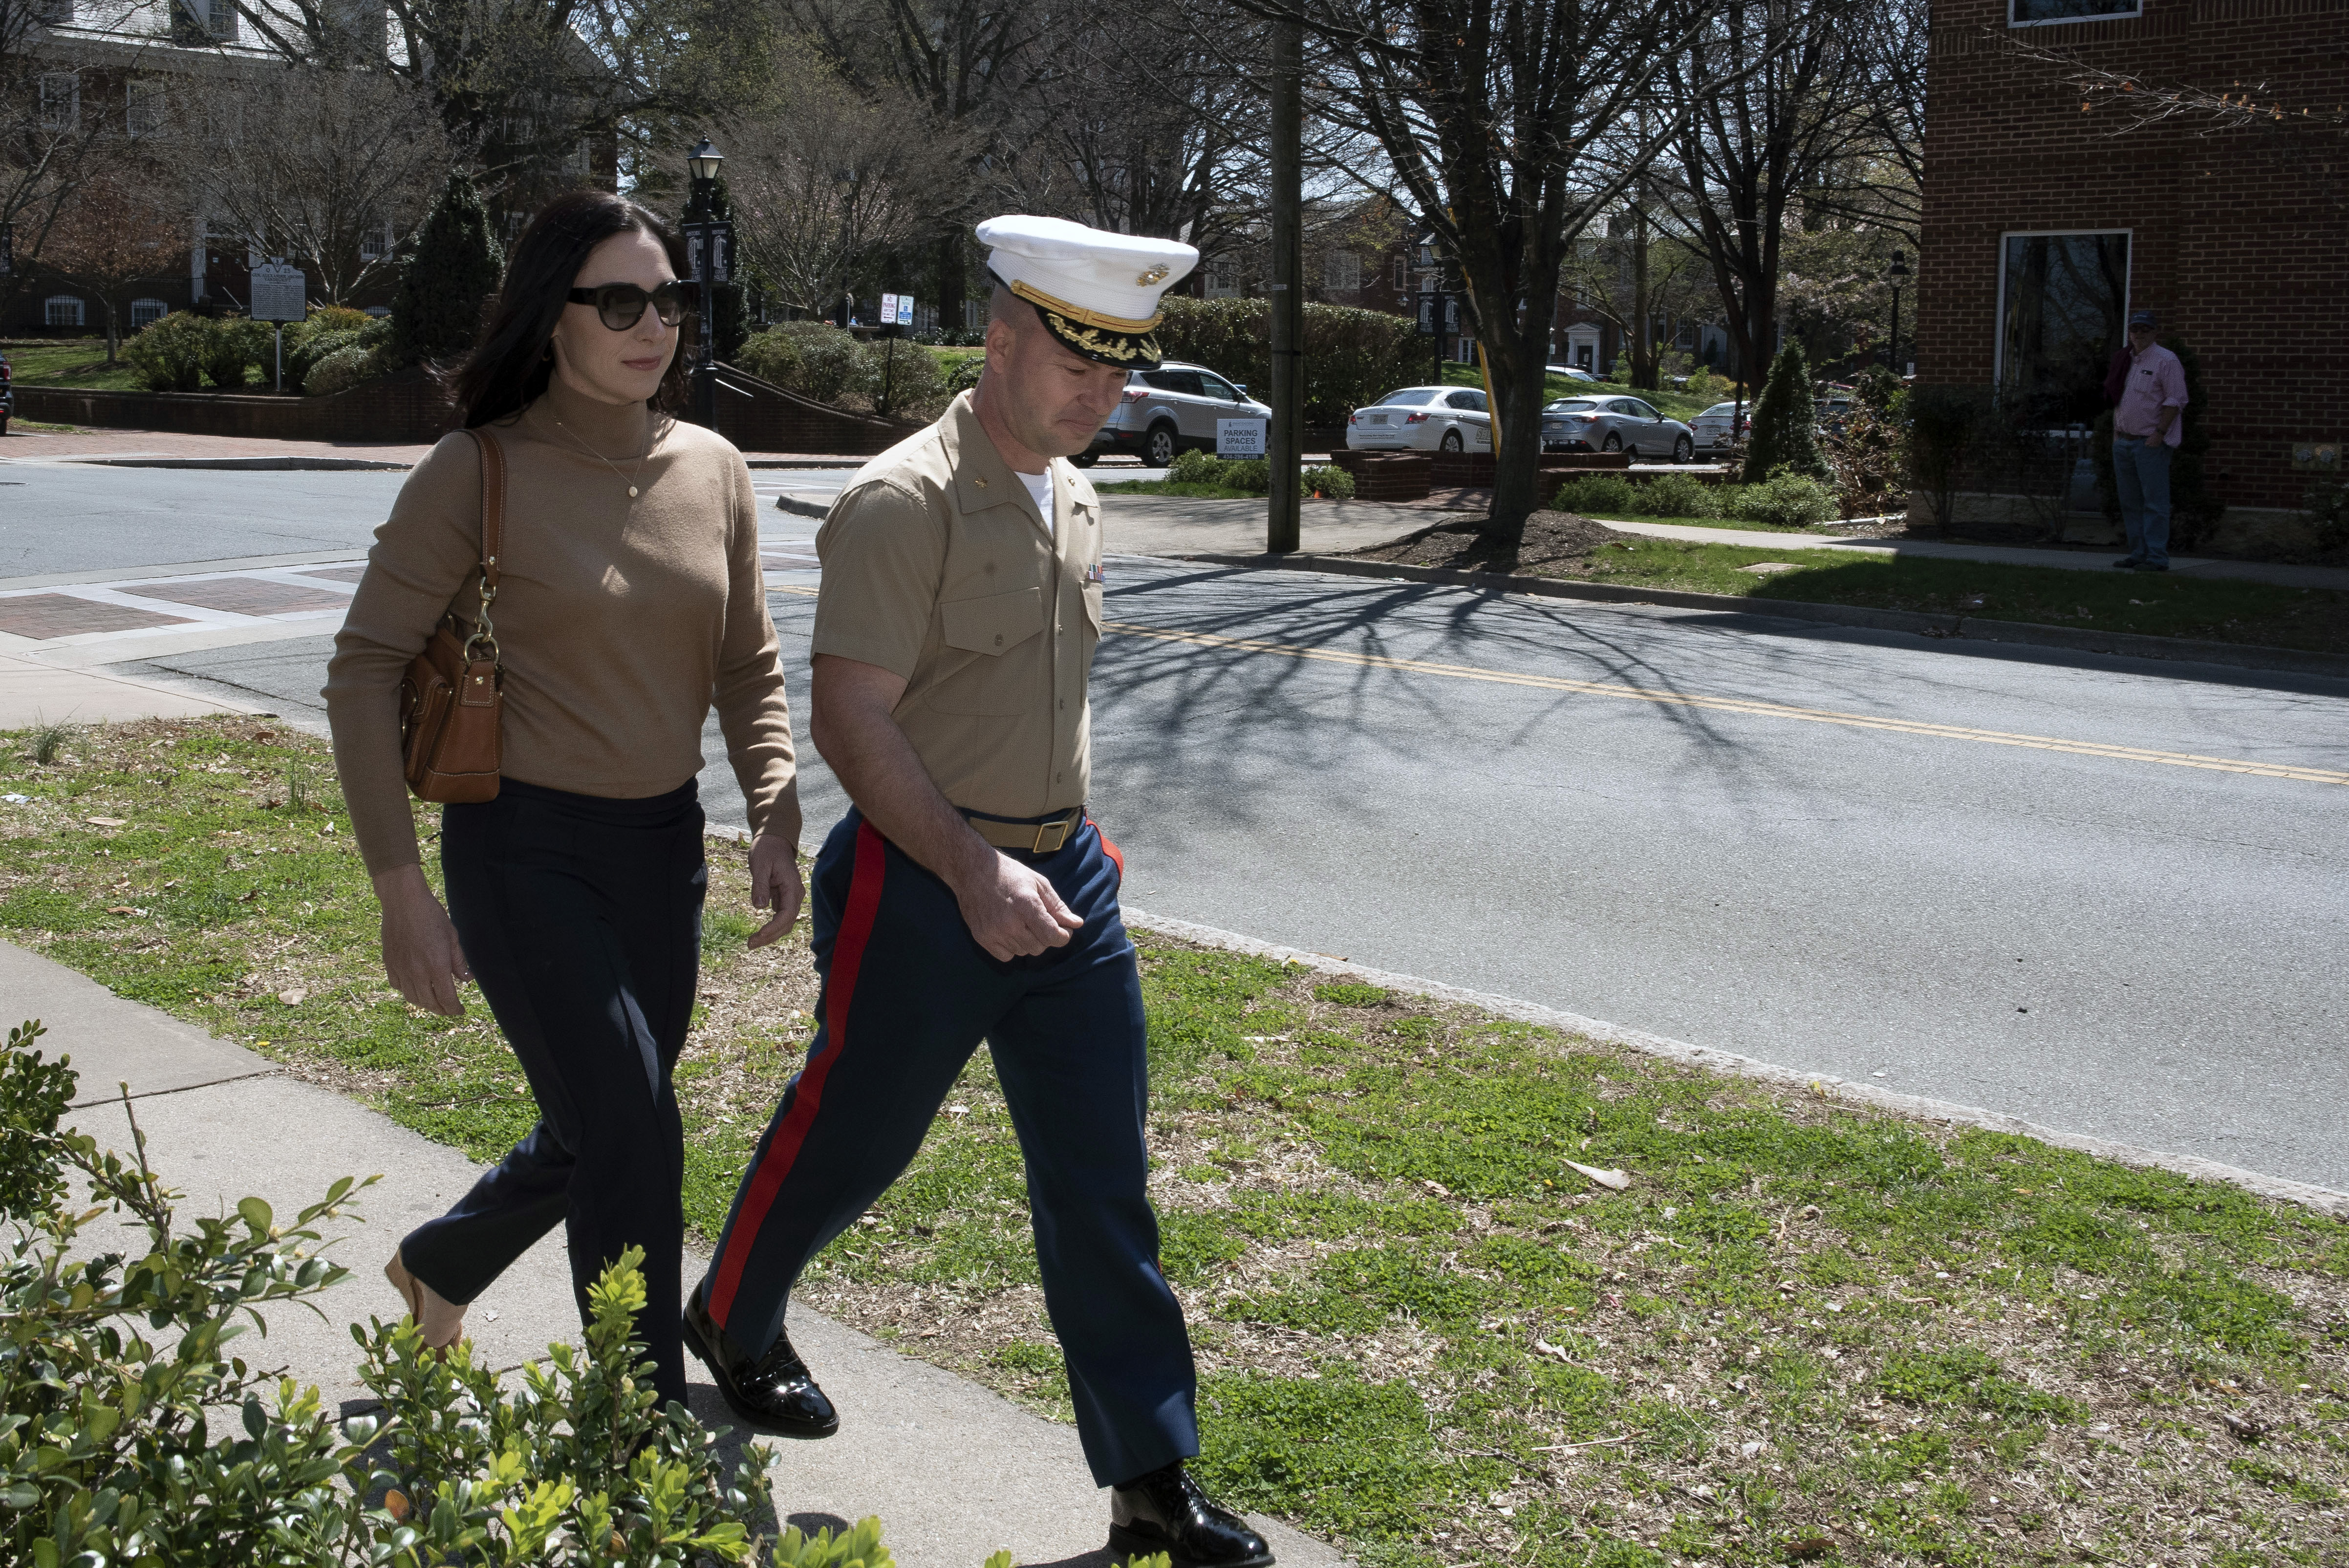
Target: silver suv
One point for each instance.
(1169, 408)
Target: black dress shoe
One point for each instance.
(772, 1393)
(2129, 562)
(1166, 1511)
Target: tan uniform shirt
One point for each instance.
(938, 567)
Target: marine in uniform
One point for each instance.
(968, 895)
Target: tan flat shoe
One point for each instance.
(441, 1322)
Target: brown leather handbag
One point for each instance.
(452, 701)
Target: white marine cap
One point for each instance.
(1097, 291)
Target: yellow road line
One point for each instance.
(1737, 705)
(1747, 706)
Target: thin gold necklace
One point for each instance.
(630, 476)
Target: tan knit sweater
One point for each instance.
(619, 622)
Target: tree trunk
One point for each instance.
(1643, 308)
(113, 335)
(950, 281)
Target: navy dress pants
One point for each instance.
(908, 996)
(581, 918)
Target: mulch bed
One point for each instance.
(1557, 543)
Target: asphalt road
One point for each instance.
(77, 517)
(1984, 875)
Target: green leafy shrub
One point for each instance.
(824, 362)
(436, 311)
(1330, 481)
(1787, 498)
(1252, 475)
(113, 1448)
(332, 337)
(1786, 433)
(1679, 495)
(1703, 383)
(1195, 465)
(170, 353)
(236, 346)
(904, 380)
(2327, 501)
(340, 371)
(1597, 495)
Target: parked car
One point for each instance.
(1711, 427)
(7, 395)
(1422, 420)
(1614, 425)
(1169, 408)
(1572, 373)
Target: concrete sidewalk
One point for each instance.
(2334, 578)
(953, 1471)
(32, 692)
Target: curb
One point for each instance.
(2124, 645)
(321, 465)
(2325, 1199)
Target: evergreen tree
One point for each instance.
(1785, 432)
(436, 313)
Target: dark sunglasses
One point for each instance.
(622, 306)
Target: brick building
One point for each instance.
(2044, 224)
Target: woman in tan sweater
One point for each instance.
(630, 600)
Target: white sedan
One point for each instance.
(1422, 420)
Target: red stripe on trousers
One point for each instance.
(848, 956)
(1110, 849)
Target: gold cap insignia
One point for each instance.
(1156, 275)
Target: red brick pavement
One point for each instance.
(242, 595)
(47, 615)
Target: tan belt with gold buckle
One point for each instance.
(1032, 838)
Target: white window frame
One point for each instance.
(69, 116)
(2131, 14)
(150, 309)
(1998, 322)
(146, 108)
(50, 311)
(1341, 271)
(376, 241)
(220, 20)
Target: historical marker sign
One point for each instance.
(278, 292)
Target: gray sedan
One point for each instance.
(1614, 425)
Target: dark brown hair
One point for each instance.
(510, 364)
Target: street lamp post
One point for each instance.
(709, 240)
(1895, 274)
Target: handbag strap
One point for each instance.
(493, 528)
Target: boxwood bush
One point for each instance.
(170, 353)
(1598, 495)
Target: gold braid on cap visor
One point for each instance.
(1045, 302)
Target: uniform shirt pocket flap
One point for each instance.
(993, 623)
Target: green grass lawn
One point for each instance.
(1806, 1330)
(79, 362)
(1820, 528)
(1172, 487)
(2213, 609)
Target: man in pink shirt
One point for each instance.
(2147, 424)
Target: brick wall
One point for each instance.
(407, 408)
(774, 420)
(2238, 236)
(402, 408)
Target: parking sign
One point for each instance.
(1239, 437)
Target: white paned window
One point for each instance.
(144, 108)
(1341, 271)
(376, 241)
(62, 310)
(60, 100)
(145, 313)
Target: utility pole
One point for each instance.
(1286, 438)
